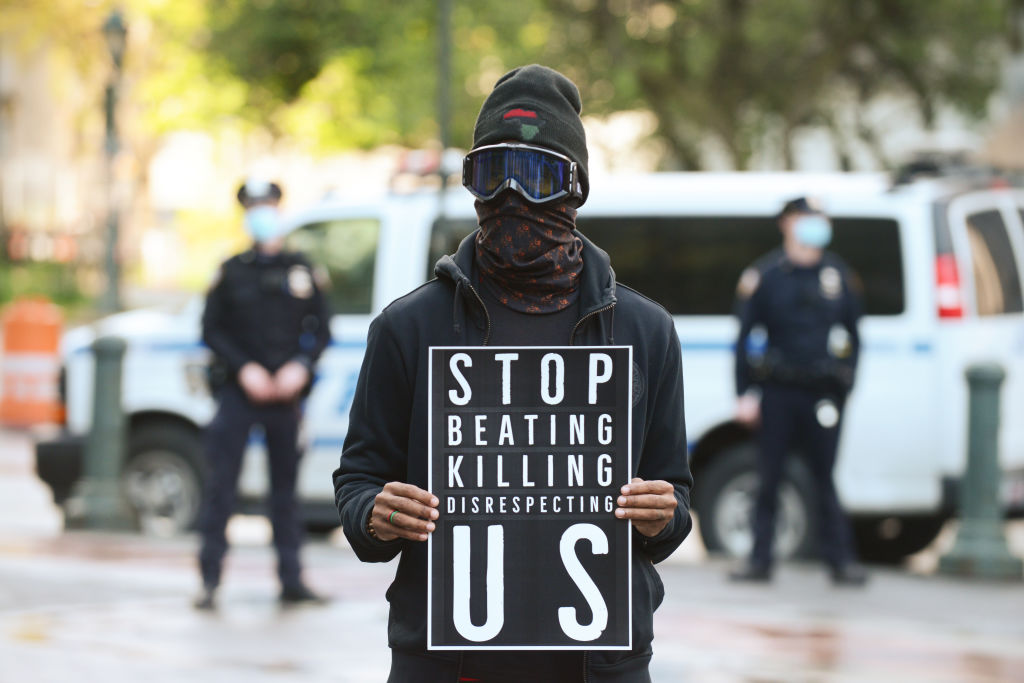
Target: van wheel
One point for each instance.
(161, 478)
(888, 540)
(724, 498)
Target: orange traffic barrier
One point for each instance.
(30, 363)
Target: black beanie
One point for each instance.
(538, 106)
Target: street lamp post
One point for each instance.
(444, 68)
(115, 32)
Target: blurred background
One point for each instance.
(126, 128)
(159, 108)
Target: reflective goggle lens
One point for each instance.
(539, 175)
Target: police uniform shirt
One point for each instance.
(808, 313)
(267, 309)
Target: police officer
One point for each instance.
(800, 302)
(266, 323)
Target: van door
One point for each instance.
(987, 236)
(344, 253)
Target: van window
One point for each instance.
(871, 248)
(347, 251)
(690, 265)
(997, 285)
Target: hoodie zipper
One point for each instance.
(572, 337)
(579, 322)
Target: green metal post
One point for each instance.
(100, 488)
(111, 301)
(980, 550)
(115, 33)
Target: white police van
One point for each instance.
(940, 260)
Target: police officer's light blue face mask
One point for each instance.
(263, 223)
(813, 231)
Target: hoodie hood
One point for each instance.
(597, 282)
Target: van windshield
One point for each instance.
(691, 264)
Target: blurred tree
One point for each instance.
(177, 83)
(359, 73)
(68, 28)
(736, 70)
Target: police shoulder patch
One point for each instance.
(750, 280)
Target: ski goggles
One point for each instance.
(538, 174)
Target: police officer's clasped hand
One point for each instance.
(748, 410)
(290, 379)
(403, 511)
(650, 505)
(257, 383)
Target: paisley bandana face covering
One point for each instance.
(528, 255)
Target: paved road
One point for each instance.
(106, 607)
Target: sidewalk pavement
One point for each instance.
(117, 607)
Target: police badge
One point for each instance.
(831, 282)
(300, 282)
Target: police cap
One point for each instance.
(258, 190)
(800, 205)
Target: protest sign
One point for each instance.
(528, 449)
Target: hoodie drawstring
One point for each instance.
(458, 308)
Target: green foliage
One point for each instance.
(277, 46)
(57, 282)
(356, 73)
(68, 28)
(178, 85)
(737, 69)
(359, 73)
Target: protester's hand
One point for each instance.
(290, 379)
(403, 511)
(257, 383)
(650, 505)
(748, 410)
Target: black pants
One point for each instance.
(789, 420)
(225, 442)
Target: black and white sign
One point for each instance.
(529, 447)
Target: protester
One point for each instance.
(266, 323)
(803, 298)
(525, 277)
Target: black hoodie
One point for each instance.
(387, 436)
